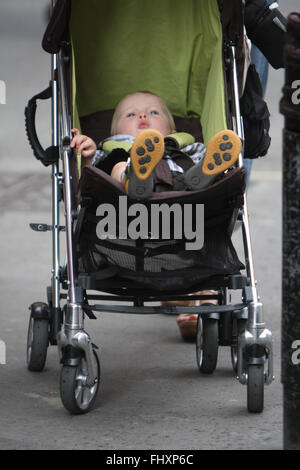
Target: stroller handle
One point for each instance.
(51, 154)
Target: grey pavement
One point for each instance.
(152, 395)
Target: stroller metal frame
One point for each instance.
(74, 344)
(256, 332)
(73, 333)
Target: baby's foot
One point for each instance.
(222, 152)
(146, 152)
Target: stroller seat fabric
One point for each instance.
(162, 264)
(191, 82)
(182, 63)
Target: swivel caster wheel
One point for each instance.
(255, 388)
(76, 395)
(37, 343)
(207, 343)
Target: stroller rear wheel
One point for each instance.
(207, 343)
(255, 388)
(37, 344)
(76, 395)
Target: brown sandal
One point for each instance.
(146, 152)
(187, 325)
(188, 322)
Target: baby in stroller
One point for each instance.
(143, 131)
(193, 53)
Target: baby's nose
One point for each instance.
(143, 115)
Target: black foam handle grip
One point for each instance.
(30, 112)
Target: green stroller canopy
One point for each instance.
(172, 48)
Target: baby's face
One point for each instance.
(141, 111)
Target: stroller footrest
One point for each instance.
(207, 309)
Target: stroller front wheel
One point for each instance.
(255, 388)
(37, 344)
(76, 395)
(207, 343)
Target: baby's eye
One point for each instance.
(130, 115)
(154, 112)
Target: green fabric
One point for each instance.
(110, 145)
(170, 47)
(182, 138)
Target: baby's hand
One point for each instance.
(84, 145)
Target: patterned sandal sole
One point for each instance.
(146, 152)
(222, 152)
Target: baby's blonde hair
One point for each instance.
(165, 109)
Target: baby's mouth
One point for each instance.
(143, 124)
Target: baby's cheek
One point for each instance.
(164, 127)
(125, 127)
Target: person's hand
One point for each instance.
(84, 145)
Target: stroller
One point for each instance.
(86, 83)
